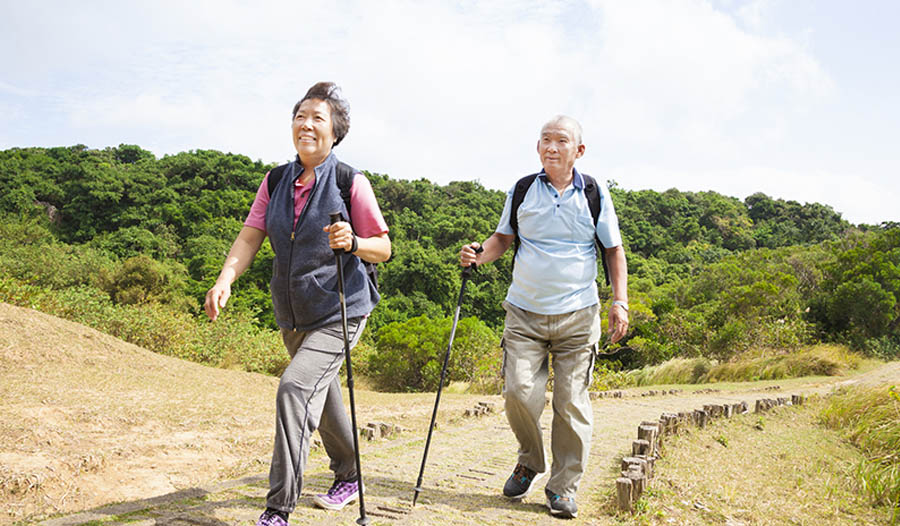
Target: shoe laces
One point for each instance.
(554, 497)
(341, 487)
(524, 473)
(271, 518)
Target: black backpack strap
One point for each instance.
(521, 188)
(275, 175)
(344, 174)
(592, 194)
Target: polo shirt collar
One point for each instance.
(577, 179)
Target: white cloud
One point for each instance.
(443, 90)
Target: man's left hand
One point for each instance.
(618, 322)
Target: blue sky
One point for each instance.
(793, 98)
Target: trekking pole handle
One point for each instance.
(336, 217)
(468, 270)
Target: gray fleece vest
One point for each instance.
(304, 276)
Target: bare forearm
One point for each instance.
(242, 252)
(618, 272)
(375, 249)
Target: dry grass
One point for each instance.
(87, 419)
(780, 468)
(869, 417)
(818, 360)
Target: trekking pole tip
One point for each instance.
(362, 521)
(418, 490)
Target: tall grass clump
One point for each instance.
(674, 371)
(870, 419)
(819, 360)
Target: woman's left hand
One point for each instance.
(340, 235)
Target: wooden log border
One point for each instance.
(638, 467)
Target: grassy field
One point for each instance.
(86, 419)
(783, 467)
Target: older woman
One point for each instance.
(293, 212)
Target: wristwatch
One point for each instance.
(623, 304)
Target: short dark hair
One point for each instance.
(340, 108)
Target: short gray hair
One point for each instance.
(340, 109)
(567, 122)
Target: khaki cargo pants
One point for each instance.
(529, 341)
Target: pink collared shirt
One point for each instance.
(365, 215)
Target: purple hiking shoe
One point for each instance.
(342, 492)
(271, 517)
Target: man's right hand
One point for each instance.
(467, 255)
(216, 298)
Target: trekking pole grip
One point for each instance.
(468, 270)
(336, 217)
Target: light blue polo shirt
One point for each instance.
(556, 265)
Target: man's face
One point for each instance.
(312, 130)
(558, 149)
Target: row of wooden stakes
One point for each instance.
(374, 430)
(481, 408)
(637, 469)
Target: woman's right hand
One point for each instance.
(216, 298)
(467, 255)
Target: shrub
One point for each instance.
(141, 279)
(607, 377)
(409, 355)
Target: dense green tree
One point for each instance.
(709, 274)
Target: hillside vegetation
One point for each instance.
(129, 243)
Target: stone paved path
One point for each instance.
(468, 463)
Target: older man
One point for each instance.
(552, 309)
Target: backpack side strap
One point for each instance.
(592, 194)
(522, 186)
(275, 175)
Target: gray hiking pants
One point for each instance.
(529, 340)
(309, 398)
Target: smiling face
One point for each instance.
(313, 132)
(558, 147)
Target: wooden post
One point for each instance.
(648, 463)
(640, 462)
(623, 494)
(638, 483)
(640, 447)
(700, 417)
(649, 433)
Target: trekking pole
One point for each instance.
(362, 520)
(462, 290)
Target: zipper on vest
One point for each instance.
(291, 266)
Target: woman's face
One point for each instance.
(313, 132)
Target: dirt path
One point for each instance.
(468, 463)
